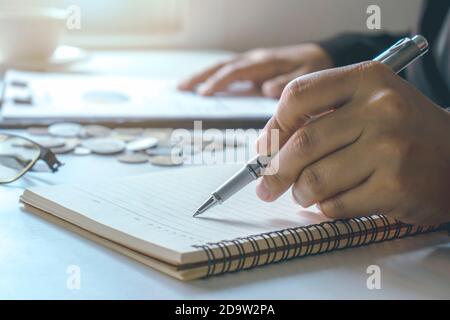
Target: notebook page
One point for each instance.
(158, 207)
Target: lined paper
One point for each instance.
(158, 207)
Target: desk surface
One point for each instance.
(35, 254)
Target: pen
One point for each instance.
(397, 57)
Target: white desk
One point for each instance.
(34, 254)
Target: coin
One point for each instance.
(65, 129)
(163, 135)
(38, 131)
(142, 144)
(133, 158)
(164, 151)
(166, 161)
(104, 145)
(96, 131)
(123, 137)
(70, 145)
(129, 131)
(81, 151)
(62, 150)
(51, 142)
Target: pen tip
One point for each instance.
(212, 201)
(196, 213)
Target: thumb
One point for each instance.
(274, 87)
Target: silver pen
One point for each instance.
(397, 57)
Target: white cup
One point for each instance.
(30, 33)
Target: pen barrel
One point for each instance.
(404, 53)
(252, 170)
(238, 181)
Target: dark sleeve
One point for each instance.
(349, 48)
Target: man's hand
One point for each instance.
(270, 69)
(384, 149)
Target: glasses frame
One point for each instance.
(45, 154)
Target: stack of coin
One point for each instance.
(128, 145)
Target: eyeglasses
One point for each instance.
(18, 155)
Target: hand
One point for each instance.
(271, 69)
(385, 149)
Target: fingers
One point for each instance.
(310, 95)
(192, 82)
(307, 145)
(239, 71)
(362, 200)
(274, 87)
(342, 170)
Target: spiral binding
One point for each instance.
(276, 246)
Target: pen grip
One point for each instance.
(238, 181)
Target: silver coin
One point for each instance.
(96, 131)
(38, 131)
(128, 131)
(133, 158)
(123, 137)
(81, 151)
(70, 145)
(166, 161)
(164, 151)
(163, 135)
(142, 144)
(65, 129)
(51, 142)
(104, 145)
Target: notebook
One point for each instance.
(149, 218)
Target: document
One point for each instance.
(59, 96)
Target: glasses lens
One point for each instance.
(17, 155)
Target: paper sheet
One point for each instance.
(158, 207)
(71, 96)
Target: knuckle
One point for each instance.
(257, 52)
(295, 88)
(377, 69)
(389, 104)
(303, 141)
(312, 181)
(399, 150)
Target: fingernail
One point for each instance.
(263, 191)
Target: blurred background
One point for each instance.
(220, 24)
